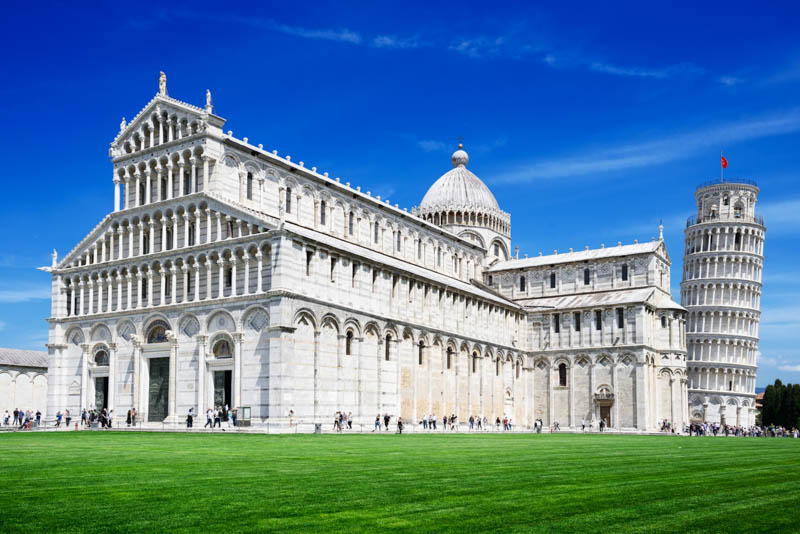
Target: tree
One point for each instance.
(768, 406)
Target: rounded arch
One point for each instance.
(75, 335)
(221, 345)
(100, 354)
(305, 314)
(353, 325)
(188, 325)
(330, 320)
(372, 328)
(100, 332)
(220, 320)
(156, 331)
(255, 317)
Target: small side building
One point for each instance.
(23, 380)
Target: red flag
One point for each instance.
(724, 162)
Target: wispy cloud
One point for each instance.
(781, 217)
(730, 81)
(8, 296)
(431, 145)
(654, 152)
(790, 368)
(393, 41)
(479, 47)
(643, 72)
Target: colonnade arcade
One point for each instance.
(467, 217)
(161, 127)
(740, 267)
(725, 239)
(737, 323)
(161, 230)
(733, 350)
(739, 295)
(700, 405)
(725, 379)
(236, 270)
(169, 176)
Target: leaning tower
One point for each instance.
(721, 288)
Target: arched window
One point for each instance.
(101, 357)
(518, 369)
(146, 244)
(249, 186)
(377, 232)
(474, 362)
(663, 321)
(552, 280)
(222, 349)
(388, 348)
(157, 333)
(169, 239)
(419, 249)
(449, 357)
(288, 200)
(322, 207)
(421, 352)
(497, 365)
(141, 193)
(191, 236)
(586, 277)
(562, 374)
(624, 272)
(163, 190)
(348, 343)
(522, 282)
(350, 223)
(737, 210)
(399, 241)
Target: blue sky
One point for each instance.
(590, 123)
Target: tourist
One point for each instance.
(386, 419)
(16, 416)
(58, 418)
(377, 423)
(337, 426)
(497, 423)
(291, 418)
(471, 422)
(5, 418)
(399, 425)
(133, 417)
(67, 417)
(349, 420)
(209, 419)
(583, 426)
(217, 417)
(424, 422)
(480, 427)
(128, 418)
(510, 425)
(231, 418)
(190, 418)
(38, 418)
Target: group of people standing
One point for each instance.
(215, 417)
(342, 420)
(23, 419)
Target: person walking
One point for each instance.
(377, 423)
(217, 416)
(386, 419)
(349, 420)
(399, 425)
(209, 419)
(6, 416)
(190, 418)
(128, 418)
(471, 422)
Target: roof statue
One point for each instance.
(122, 124)
(162, 84)
(54, 255)
(209, 105)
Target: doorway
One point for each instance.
(222, 388)
(159, 389)
(101, 392)
(605, 414)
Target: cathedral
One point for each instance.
(231, 275)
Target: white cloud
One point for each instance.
(392, 41)
(730, 81)
(24, 295)
(431, 145)
(790, 368)
(781, 217)
(481, 47)
(655, 152)
(645, 72)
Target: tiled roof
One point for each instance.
(581, 255)
(23, 358)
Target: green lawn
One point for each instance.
(90, 481)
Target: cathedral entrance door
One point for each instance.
(101, 392)
(605, 414)
(159, 389)
(222, 388)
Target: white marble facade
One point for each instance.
(229, 273)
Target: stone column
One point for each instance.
(205, 172)
(138, 176)
(571, 394)
(73, 296)
(237, 369)
(90, 309)
(193, 184)
(220, 288)
(197, 227)
(186, 225)
(118, 280)
(185, 271)
(117, 181)
(170, 124)
(112, 376)
(173, 284)
(134, 304)
(120, 240)
(196, 282)
(170, 181)
(172, 417)
(84, 377)
(209, 278)
(147, 187)
(174, 219)
(127, 196)
(110, 293)
(209, 225)
(201, 376)
(182, 173)
(151, 229)
(259, 257)
(150, 299)
(246, 273)
(219, 226)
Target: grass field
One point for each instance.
(98, 481)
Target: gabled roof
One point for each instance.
(159, 98)
(23, 358)
(581, 255)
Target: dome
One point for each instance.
(459, 189)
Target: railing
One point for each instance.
(726, 181)
(691, 221)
